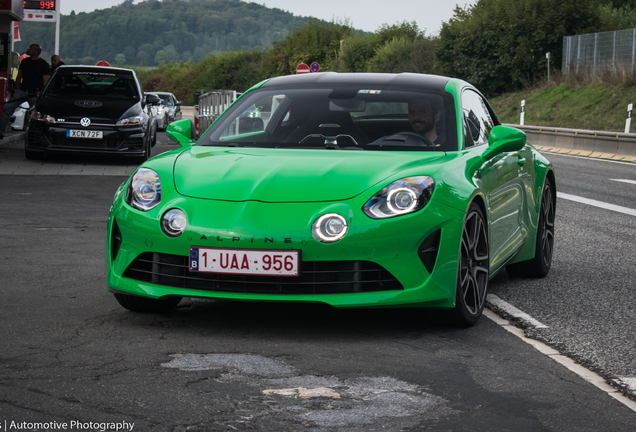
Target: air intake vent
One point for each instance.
(317, 277)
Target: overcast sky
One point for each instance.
(367, 15)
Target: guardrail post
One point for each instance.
(628, 123)
(523, 112)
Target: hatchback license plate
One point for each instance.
(75, 133)
(244, 261)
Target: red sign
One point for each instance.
(315, 67)
(102, 63)
(16, 32)
(302, 69)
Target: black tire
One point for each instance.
(473, 269)
(33, 155)
(147, 305)
(539, 266)
(145, 156)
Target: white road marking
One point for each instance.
(629, 382)
(513, 311)
(595, 203)
(624, 181)
(589, 376)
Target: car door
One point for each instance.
(500, 180)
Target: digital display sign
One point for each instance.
(39, 5)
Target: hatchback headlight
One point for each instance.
(144, 190)
(130, 121)
(42, 117)
(401, 197)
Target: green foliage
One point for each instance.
(617, 18)
(501, 45)
(595, 106)
(234, 70)
(316, 41)
(393, 48)
(142, 31)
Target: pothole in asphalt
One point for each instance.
(328, 402)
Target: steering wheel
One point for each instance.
(422, 138)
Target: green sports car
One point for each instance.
(354, 190)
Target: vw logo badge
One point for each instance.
(86, 122)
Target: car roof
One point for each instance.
(408, 80)
(94, 68)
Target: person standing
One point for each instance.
(33, 74)
(55, 62)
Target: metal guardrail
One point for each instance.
(212, 104)
(584, 142)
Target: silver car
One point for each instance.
(168, 111)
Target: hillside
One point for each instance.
(595, 106)
(154, 32)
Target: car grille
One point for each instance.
(317, 277)
(112, 141)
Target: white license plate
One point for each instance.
(75, 133)
(244, 261)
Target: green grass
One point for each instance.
(595, 106)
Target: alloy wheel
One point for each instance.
(474, 263)
(547, 225)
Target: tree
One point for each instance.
(499, 45)
(120, 60)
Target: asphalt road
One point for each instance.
(70, 354)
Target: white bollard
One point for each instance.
(628, 123)
(523, 112)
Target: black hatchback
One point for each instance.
(94, 110)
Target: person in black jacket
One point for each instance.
(55, 62)
(32, 76)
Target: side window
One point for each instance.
(477, 120)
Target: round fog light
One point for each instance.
(173, 222)
(329, 228)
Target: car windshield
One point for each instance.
(339, 118)
(167, 100)
(93, 84)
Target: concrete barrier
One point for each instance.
(602, 144)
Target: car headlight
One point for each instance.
(42, 117)
(144, 190)
(401, 197)
(329, 228)
(173, 222)
(130, 121)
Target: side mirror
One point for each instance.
(178, 103)
(181, 132)
(153, 99)
(503, 139)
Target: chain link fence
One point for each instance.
(600, 52)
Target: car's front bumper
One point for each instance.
(116, 140)
(394, 245)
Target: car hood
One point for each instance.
(278, 175)
(69, 108)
